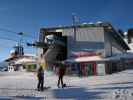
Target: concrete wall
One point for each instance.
(70, 40)
(111, 45)
(101, 69)
(107, 45)
(91, 34)
(91, 38)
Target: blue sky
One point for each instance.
(29, 16)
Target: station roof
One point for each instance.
(71, 26)
(107, 27)
(117, 37)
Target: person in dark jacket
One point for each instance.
(61, 73)
(40, 75)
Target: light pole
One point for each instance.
(20, 47)
(20, 34)
(76, 22)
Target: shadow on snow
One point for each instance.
(76, 93)
(21, 98)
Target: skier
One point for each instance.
(40, 75)
(61, 73)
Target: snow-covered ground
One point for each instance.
(21, 86)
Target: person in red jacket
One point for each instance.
(61, 73)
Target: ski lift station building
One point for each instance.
(88, 49)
